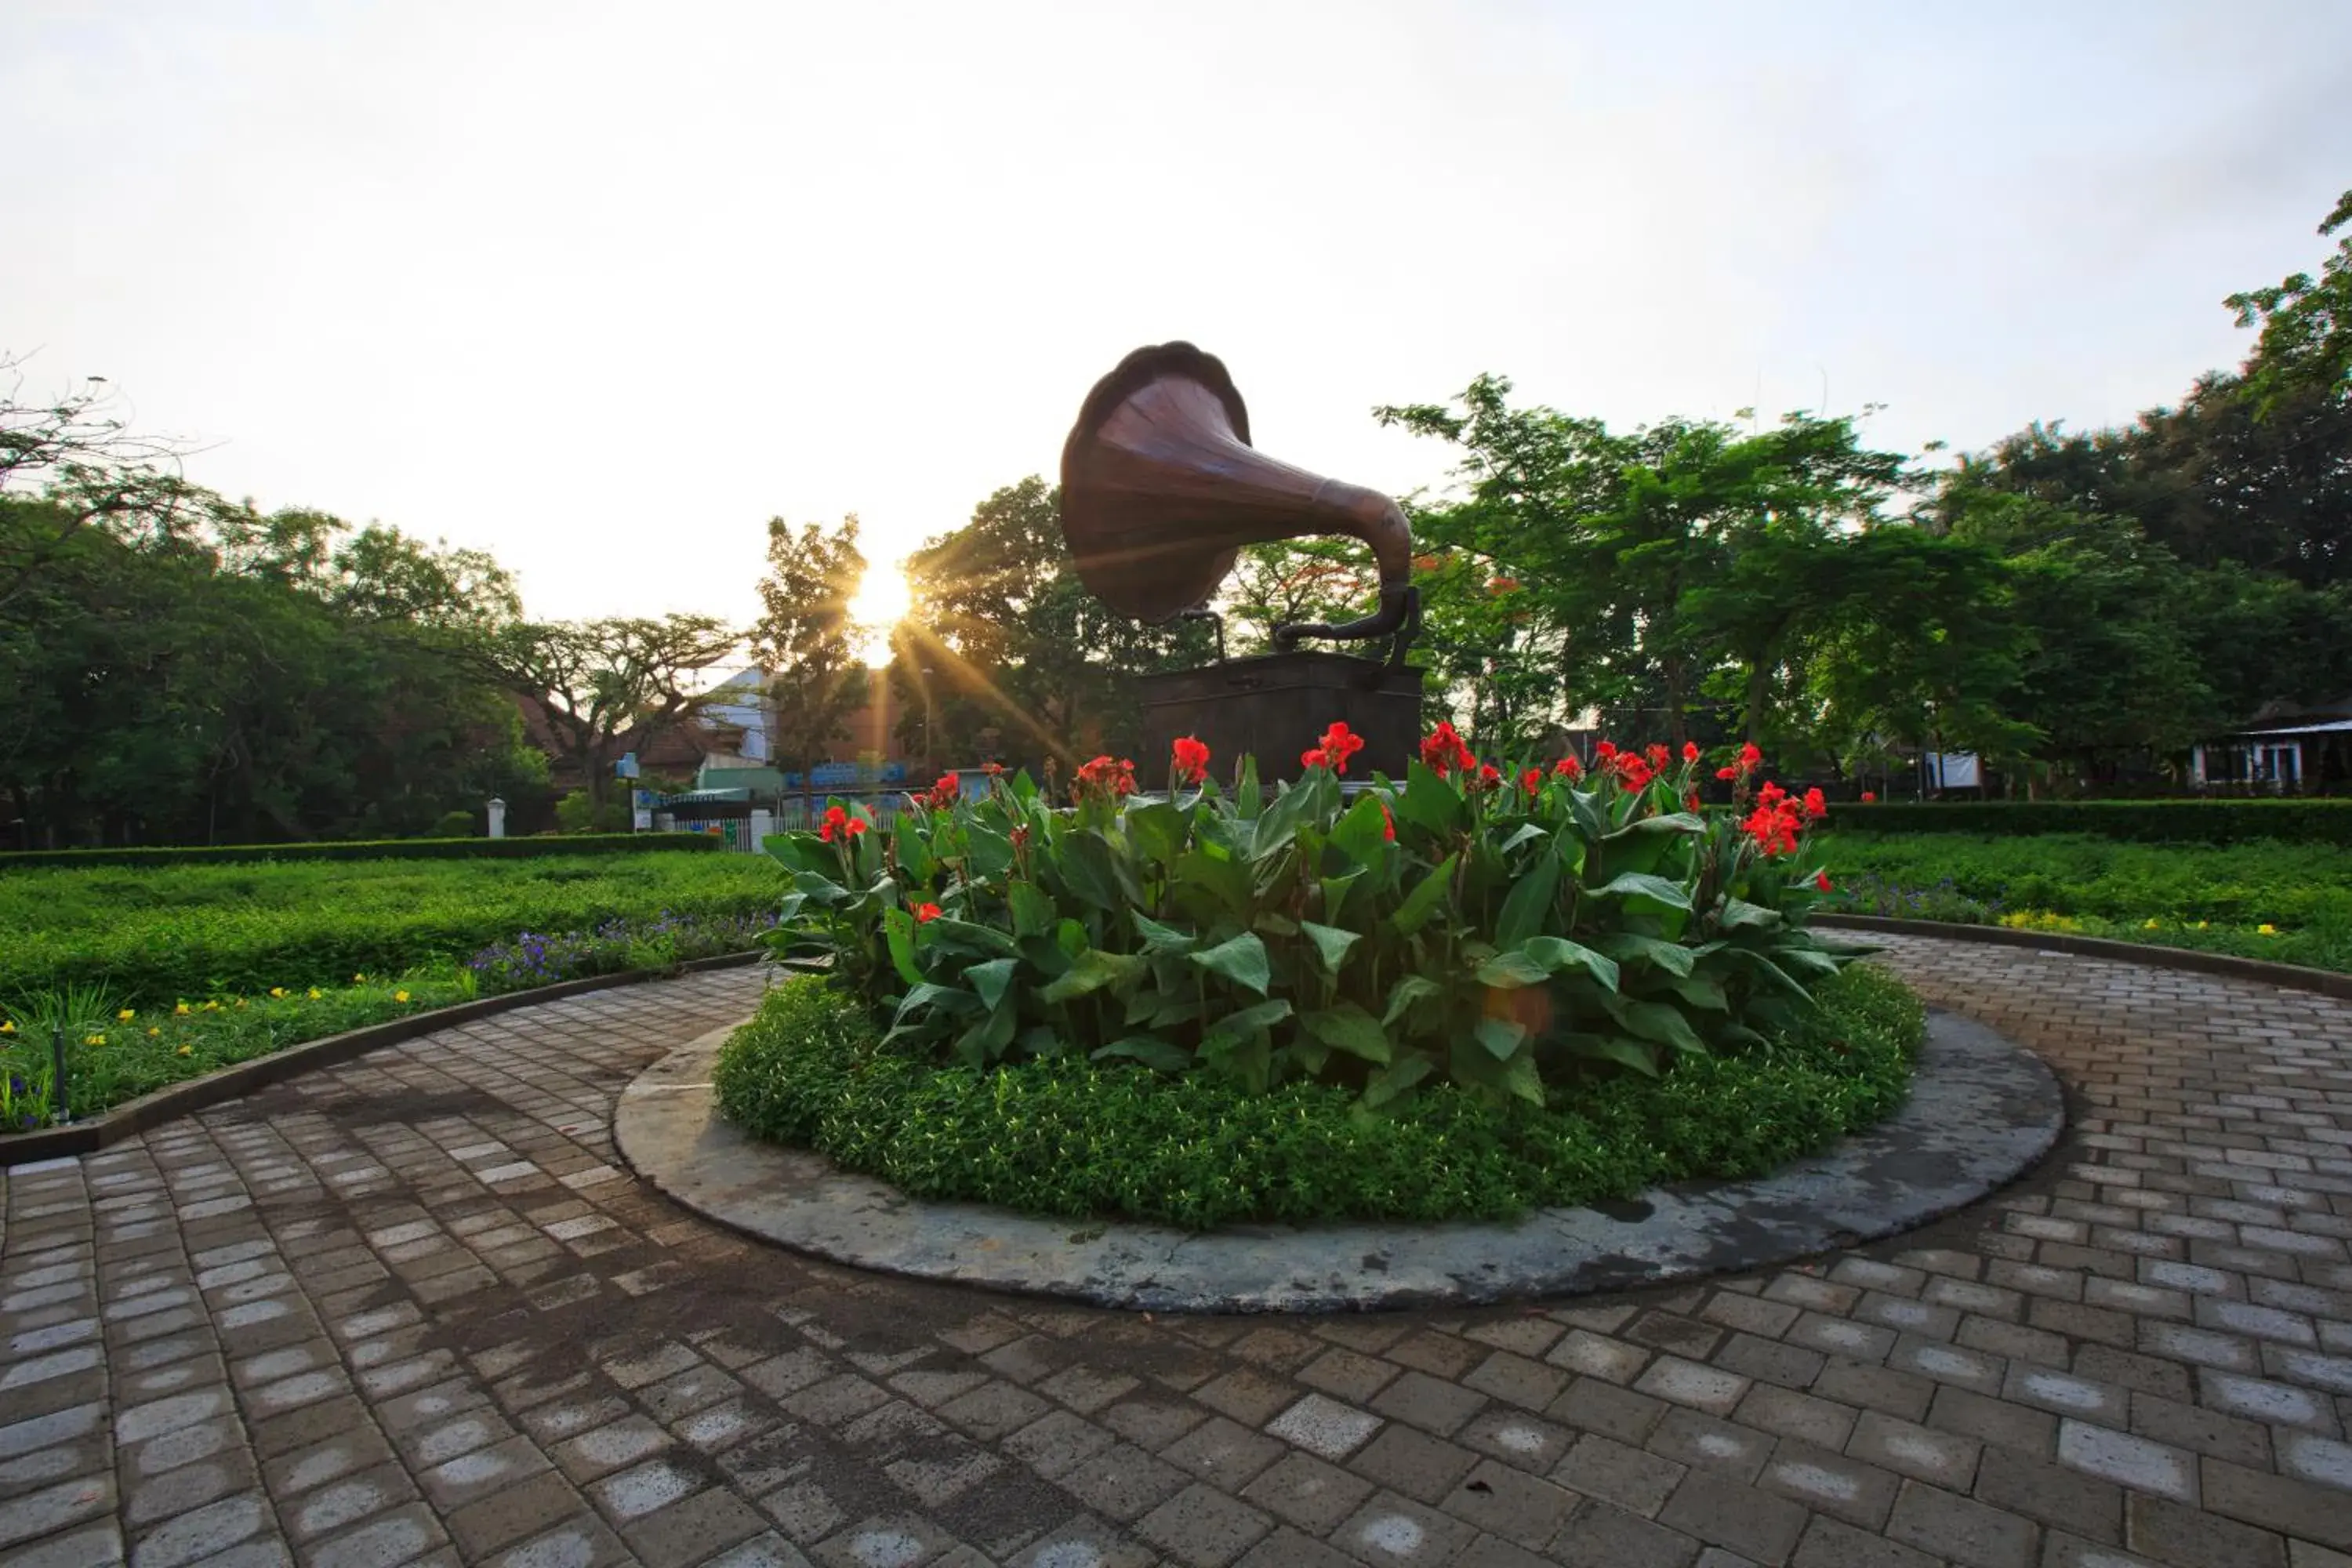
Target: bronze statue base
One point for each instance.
(1277, 705)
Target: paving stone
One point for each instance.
(1389, 1529)
(1632, 1480)
(1943, 1525)
(1308, 1492)
(1203, 1528)
(1509, 1503)
(1721, 1510)
(1405, 1459)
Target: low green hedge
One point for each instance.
(1067, 1137)
(2141, 821)
(155, 934)
(363, 849)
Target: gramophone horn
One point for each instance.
(1161, 488)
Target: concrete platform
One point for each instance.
(1981, 1110)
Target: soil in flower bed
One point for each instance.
(1067, 1137)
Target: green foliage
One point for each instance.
(806, 640)
(159, 933)
(1503, 938)
(362, 849)
(219, 675)
(1061, 1135)
(1006, 655)
(110, 1059)
(579, 813)
(2140, 821)
(2216, 897)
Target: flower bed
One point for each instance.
(2288, 903)
(115, 1051)
(1066, 1136)
(1513, 933)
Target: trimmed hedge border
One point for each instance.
(364, 850)
(177, 1100)
(2136, 821)
(2290, 976)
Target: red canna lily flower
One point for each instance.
(1387, 824)
(835, 821)
(1490, 775)
(1822, 880)
(925, 913)
(1727, 773)
(1313, 757)
(1690, 751)
(1814, 804)
(1690, 800)
(1443, 753)
(1748, 755)
(1870, 797)
(1189, 759)
(1339, 744)
(1659, 757)
(1568, 768)
(1532, 779)
(1605, 749)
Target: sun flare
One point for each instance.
(881, 602)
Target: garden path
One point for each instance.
(409, 1309)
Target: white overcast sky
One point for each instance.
(601, 287)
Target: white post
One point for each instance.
(763, 823)
(498, 817)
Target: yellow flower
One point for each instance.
(2200, 926)
(187, 1050)
(126, 1014)
(277, 991)
(213, 1006)
(93, 1039)
(180, 1011)
(359, 979)
(2266, 928)
(240, 1001)
(2151, 925)
(151, 1032)
(400, 996)
(314, 994)
(7, 1026)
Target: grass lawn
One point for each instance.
(2291, 903)
(156, 975)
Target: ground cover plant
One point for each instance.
(1501, 930)
(156, 935)
(1071, 1137)
(120, 1036)
(2288, 902)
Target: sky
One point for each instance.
(601, 288)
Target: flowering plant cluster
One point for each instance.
(536, 958)
(1377, 934)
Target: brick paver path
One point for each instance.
(409, 1309)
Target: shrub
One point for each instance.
(160, 933)
(360, 849)
(1060, 1134)
(1496, 931)
(2142, 821)
(452, 825)
(535, 959)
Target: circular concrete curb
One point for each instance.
(1980, 1110)
(2195, 960)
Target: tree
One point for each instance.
(76, 454)
(597, 680)
(1604, 545)
(242, 677)
(1014, 644)
(805, 637)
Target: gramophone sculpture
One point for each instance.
(1161, 488)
